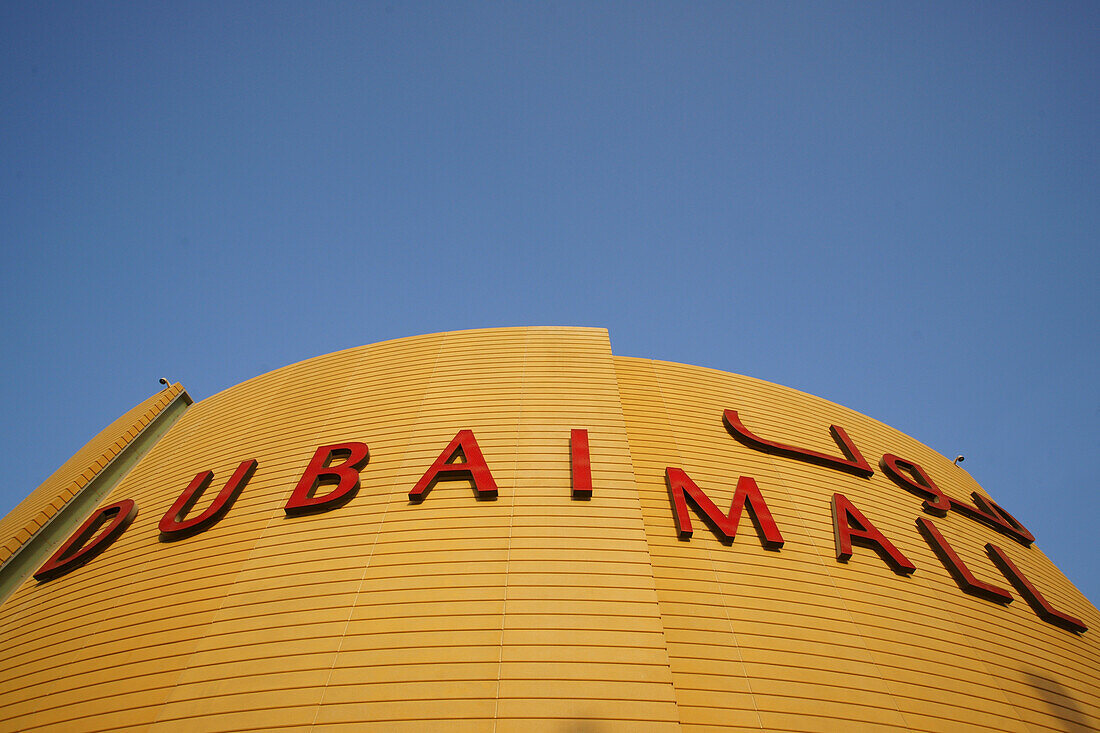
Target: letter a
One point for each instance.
(682, 488)
(472, 467)
(850, 524)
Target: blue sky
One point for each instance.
(893, 206)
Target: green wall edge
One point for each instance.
(46, 540)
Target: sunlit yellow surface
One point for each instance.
(535, 611)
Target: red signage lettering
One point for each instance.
(463, 459)
(1002, 520)
(957, 568)
(853, 461)
(682, 489)
(472, 467)
(850, 525)
(345, 475)
(1034, 598)
(78, 550)
(912, 477)
(173, 526)
(580, 464)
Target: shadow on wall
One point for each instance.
(1060, 703)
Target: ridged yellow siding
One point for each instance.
(794, 640)
(535, 611)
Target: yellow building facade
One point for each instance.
(539, 608)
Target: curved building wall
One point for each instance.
(536, 610)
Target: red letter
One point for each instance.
(990, 514)
(77, 550)
(854, 462)
(911, 477)
(345, 475)
(849, 524)
(954, 564)
(581, 464)
(473, 467)
(173, 526)
(1033, 597)
(682, 488)
(1011, 526)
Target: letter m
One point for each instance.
(682, 490)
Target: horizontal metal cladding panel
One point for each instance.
(815, 644)
(533, 609)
